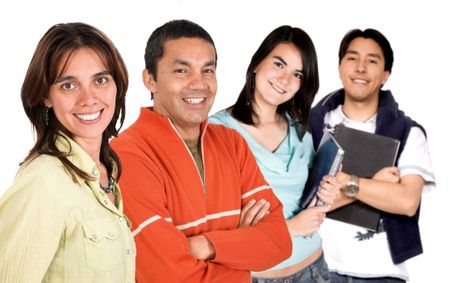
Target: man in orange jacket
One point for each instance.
(200, 208)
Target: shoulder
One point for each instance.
(130, 139)
(221, 117)
(417, 138)
(223, 138)
(329, 101)
(40, 166)
(308, 140)
(218, 131)
(415, 157)
(34, 180)
(417, 126)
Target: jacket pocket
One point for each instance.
(103, 244)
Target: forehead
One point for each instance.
(189, 49)
(81, 57)
(287, 51)
(365, 46)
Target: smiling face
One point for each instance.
(186, 83)
(362, 70)
(83, 95)
(278, 76)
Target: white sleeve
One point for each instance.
(415, 158)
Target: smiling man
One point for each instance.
(354, 254)
(200, 208)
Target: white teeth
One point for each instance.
(278, 89)
(88, 117)
(194, 100)
(359, 81)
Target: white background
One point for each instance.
(417, 30)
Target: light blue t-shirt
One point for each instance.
(286, 171)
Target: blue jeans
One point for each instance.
(316, 272)
(338, 278)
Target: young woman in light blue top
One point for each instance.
(271, 113)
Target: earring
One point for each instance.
(46, 116)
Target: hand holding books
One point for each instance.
(326, 162)
(365, 155)
(321, 188)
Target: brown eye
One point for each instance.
(278, 64)
(180, 71)
(209, 71)
(67, 86)
(101, 80)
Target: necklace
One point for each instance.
(111, 185)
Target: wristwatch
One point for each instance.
(351, 189)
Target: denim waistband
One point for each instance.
(317, 271)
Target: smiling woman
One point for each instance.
(271, 113)
(73, 94)
(83, 96)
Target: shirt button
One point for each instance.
(95, 172)
(105, 202)
(94, 237)
(120, 218)
(128, 251)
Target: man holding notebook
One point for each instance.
(353, 253)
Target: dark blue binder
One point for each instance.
(326, 162)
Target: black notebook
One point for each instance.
(326, 162)
(365, 154)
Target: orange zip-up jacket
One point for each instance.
(166, 200)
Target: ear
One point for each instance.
(386, 76)
(48, 103)
(149, 81)
(339, 70)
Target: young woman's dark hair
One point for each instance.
(299, 106)
(59, 41)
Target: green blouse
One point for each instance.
(53, 229)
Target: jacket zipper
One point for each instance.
(205, 192)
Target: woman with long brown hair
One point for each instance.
(62, 219)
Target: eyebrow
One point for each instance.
(186, 63)
(69, 78)
(374, 55)
(284, 62)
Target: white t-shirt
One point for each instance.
(353, 250)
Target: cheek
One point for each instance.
(213, 86)
(259, 79)
(341, 72)
(296, 84)
(112, 98)
(110, 95)
(61, 106)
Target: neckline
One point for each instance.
(110, 187)
(250, 138)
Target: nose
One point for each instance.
(284, 78)
(361, 66)
(88, 96)
(198, 82)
